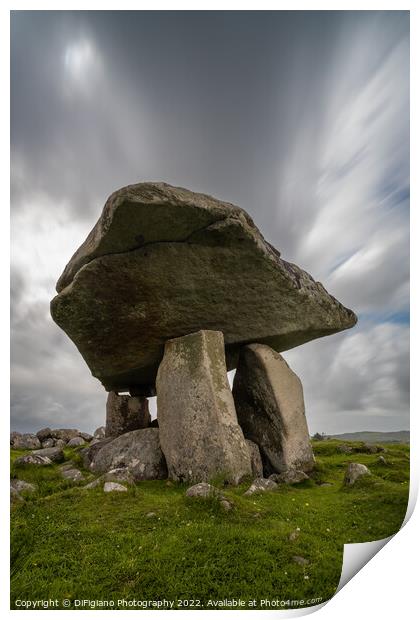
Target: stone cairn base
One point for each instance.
(206, 431)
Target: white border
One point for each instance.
(387, 586)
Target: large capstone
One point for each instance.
(198, 428)
(162, 262)
(125, 413)
(270, 408)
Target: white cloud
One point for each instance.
(83, 68)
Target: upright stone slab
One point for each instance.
(270, 408)
(125, 413)
(198, 428)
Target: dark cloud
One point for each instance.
(299, 117)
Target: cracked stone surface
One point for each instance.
(163, 262)
(138, 451)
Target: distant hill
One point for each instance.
(375, 436)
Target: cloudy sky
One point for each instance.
(301, 118)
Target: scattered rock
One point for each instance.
(120, 474)
(43, 434)
(370, 448)
(294, 535)
(382, 460)
(48, 443)
(298, 559)
(256, 462)
(99, 433)
(125, 413)
(54, 454)
(150, 515)
(198, 428)
(13, 436)
(344, 449)
(87, 437)
(139, 451)
(33, 459)
(355, 471)
(202, 489)
(290, 476)
(269, 403)
(161, 261)
(109, 487)
(64, 433)
(22, 486)
(27, 441)
(75, 441)
(226, 505)
(260, 485)
(75, 475)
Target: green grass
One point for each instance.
(68, 542)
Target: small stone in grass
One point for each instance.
(298, 559)
(109, 487)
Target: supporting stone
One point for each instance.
(198, 428)
(270, 408)
(125, 413)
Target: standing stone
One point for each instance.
(198, 428)
(271, 411)
(125, 414)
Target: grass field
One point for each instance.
(77, 544)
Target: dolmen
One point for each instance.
(170, 290)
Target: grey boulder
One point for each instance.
(75, 441)
(354, 472)
(261, 485)
(99, 433)
(110, 487)
(64, 433)
(48, 443)
(139, 451)
(162, 262)
(33, 459)
(44, 433)
(72, 474)
(55, 454)
(26, 441)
